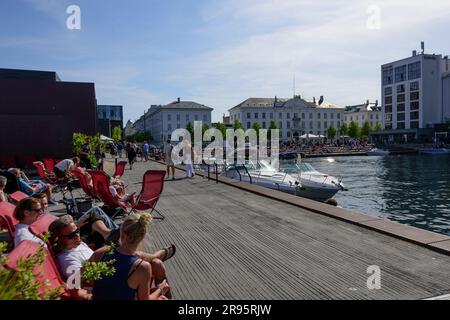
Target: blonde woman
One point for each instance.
(134, 269)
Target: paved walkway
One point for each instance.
(232, 244)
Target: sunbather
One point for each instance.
(27, 211)
(32, 187)
(71, 252)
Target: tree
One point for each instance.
(272, 126)
(331, 132)
(117, 134)
(190, 128)
(238, 125)
(366, 129)
(378, 127)
(221, 127)
(204, 128)
(256, 126)
(354, 130)
(343, 130)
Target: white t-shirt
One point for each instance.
(73, 258)
(64, 164)
(23, 233)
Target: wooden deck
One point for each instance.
(233, 244)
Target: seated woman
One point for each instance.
(3, 182)
(117, 190)
(27, 211)
(71, 252)
(63, 169)
(32, 187)
(133, 276)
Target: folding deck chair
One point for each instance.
(41, 225)
(152, 187)
(120, 169)
(15, 197)
(7, 220)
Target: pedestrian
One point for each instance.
(131, 152)
(84, 154)
(168, 159)
(188, 159)
(146, 150)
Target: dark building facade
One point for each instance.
(109, 117)
(39, 114)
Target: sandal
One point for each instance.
(169, 252)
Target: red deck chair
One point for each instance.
(41, 224)
(17, 196)
(49, 164)
(84, 184)
(47, 272)
(152, 187)
(120, 169)
(44, 174)
(101, 188)
(7, 220)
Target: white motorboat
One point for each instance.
(435, 151)
(307, 182)
(377, 152)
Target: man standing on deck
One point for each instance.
(168, 159)
(145, 150)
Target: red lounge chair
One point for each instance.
(152, 187)
(17, 196)
(84, 184)
(47, 272)
(7, 220)
(49, 164)
(120, 169)
(101, 188)
(41, 224)
(44, 174)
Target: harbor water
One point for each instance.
(409, 189)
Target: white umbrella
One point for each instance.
(105, 138)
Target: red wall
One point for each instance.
(38, 117)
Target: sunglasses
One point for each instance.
(72, 235)
(38, 210)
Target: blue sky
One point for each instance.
(219, 53)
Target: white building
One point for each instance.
(294, 117)
(361, 113)
(162, 120)
(129, 128)
(416, 95)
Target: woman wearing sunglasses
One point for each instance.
(27, 211)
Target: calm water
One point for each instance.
(409, 189)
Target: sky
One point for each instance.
(220, 52)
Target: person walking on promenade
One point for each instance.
(168, 159)
(131, 152)
(146, 150)
(188, 159)
(84, 154)
(119, 149)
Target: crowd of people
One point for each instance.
(89, 238)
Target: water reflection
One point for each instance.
(409, 189)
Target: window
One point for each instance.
(280, 116)
(388, 117)
(414, 96)
(414, 115)
(414, 86)
(169, 127)
(264, 125)
(388, 75)
(112, 113)
(338, 115)
(414, 125)
(288, 134)
(400, 125)
(371, 117)
(401, 98)
(318, 124)
(263, 115)
(363, 117)
(248, 115)
(388, 126)
(388, 91)
(401, 88)
(288, 124)
(414, 71)
(310, 124)
(310, 116)
(331, 115)
(351, 118)
(280, 125)
(388, 109)
(295, 115)
(376, 116)
(303, 115)
(187, 118)
(256, 115)
(178, 126)
(357, 118)
(303, 124)
(271, 115)
(325, 124)
(338, 124)
(400, 117)
(325, 115)
(104, 115)
(178, 117)
(318, 115)
(196, 117)
(288, 115)
(248, 125)
(388, 100)
(205, 118)
(414, 105)
(169, 117)
(401, 107)
(400, 73)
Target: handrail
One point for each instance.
(235, 168)
(246, 170)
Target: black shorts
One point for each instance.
(59, 173)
